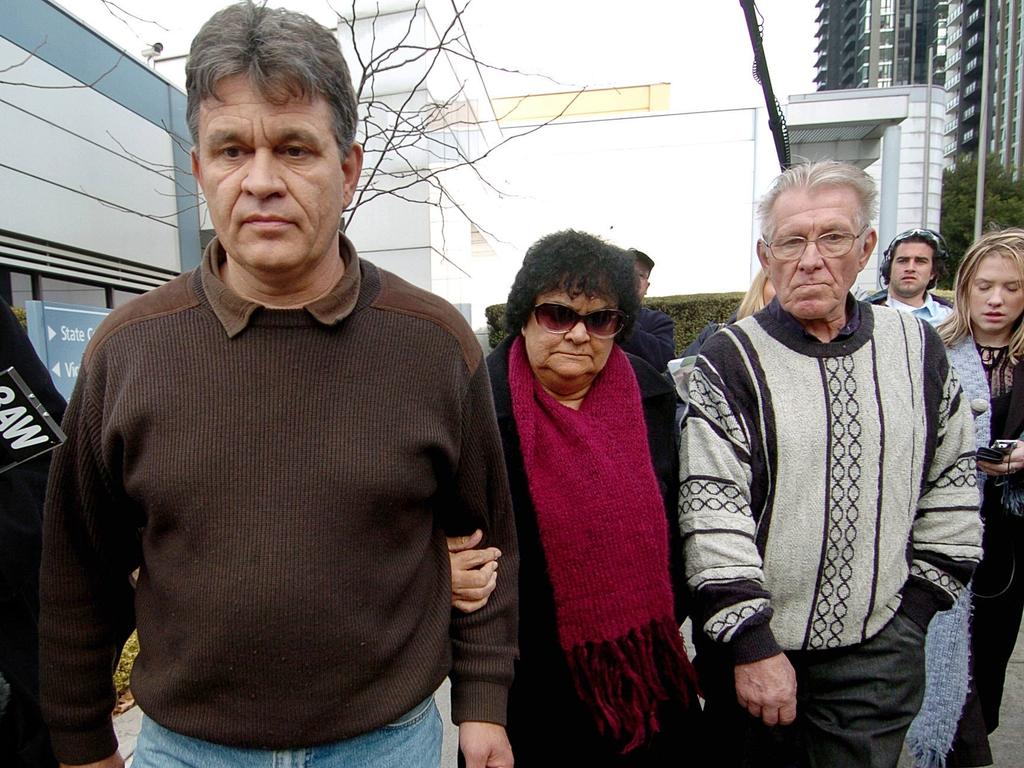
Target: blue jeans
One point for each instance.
(412, 741)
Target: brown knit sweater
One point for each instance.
(284, 480)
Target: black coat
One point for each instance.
(547, 723)
(653, 338)
(22, 489)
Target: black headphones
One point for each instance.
(930, 236)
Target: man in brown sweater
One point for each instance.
(278, 441)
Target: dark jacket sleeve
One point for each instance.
(706, 333)
(22, 488)
(653, 338)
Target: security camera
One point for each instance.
(152, 51)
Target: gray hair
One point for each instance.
(815, 175)
(285, 55)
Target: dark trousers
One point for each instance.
(24, 740)
(998, 588)
(854, 705)
(998, 604)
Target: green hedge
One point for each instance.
(690, 313)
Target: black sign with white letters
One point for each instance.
(26, 429)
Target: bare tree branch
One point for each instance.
(26, 60)
(110, 6)
(120, 57)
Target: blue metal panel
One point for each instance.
(59, 333)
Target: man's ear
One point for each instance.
(197, 169)
(762, 254)
(351, 167)
(870, 241)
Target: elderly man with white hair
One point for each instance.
(829, 502)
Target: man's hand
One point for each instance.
(485, 745)
(114, 761)
(474, 571)
(767, 688)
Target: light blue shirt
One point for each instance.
(931, 311)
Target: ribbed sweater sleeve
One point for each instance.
(86, 599)
(482, 650)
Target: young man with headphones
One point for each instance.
(911, 267)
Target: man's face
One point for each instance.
(643, 279)
(913, 266)
(813, 288)
(274, 180)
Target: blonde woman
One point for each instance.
(985, 328)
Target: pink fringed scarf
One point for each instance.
(602, 526)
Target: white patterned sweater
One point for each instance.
(824, 484)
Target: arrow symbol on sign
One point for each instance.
(56, 370)
(50, 333)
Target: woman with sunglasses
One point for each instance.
(603, 678)
(985, 338)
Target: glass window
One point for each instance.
(72, 293)
(122, 297)
(21, 289)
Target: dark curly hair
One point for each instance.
(577, 263)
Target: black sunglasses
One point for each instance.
(930, 236)
(558, 318)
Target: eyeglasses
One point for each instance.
(831, 245)
(558, 318)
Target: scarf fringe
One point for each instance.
(622, 681)
(931, 734)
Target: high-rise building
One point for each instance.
(965, 27)
(1006, 133)
(882, 43)
(879, 43)
(965, 64)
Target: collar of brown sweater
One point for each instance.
(234, 312)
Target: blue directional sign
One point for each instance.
(59, 333)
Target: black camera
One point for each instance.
(996, 452)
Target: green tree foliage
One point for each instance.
(1004, 206)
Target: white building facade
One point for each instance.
(97, 203)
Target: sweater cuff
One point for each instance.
(83, 747)
(754, 644)
(479, 701)
(920, 603)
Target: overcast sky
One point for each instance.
(702, 48)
